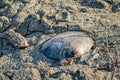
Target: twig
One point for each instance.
(108, 52)
(107, 46)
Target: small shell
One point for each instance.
(17, 39)
(67, 45)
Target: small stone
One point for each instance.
(17, 39)
(67, 45)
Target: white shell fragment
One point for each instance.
(17, 39)
(66, 45)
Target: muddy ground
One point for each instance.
(40, 20)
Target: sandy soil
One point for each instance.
(40, 20)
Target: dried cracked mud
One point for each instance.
(40, 20)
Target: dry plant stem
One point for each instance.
(107, 47)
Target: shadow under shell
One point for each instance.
(66, 45)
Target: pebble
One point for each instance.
(17, 39)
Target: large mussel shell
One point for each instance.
(66, 45)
